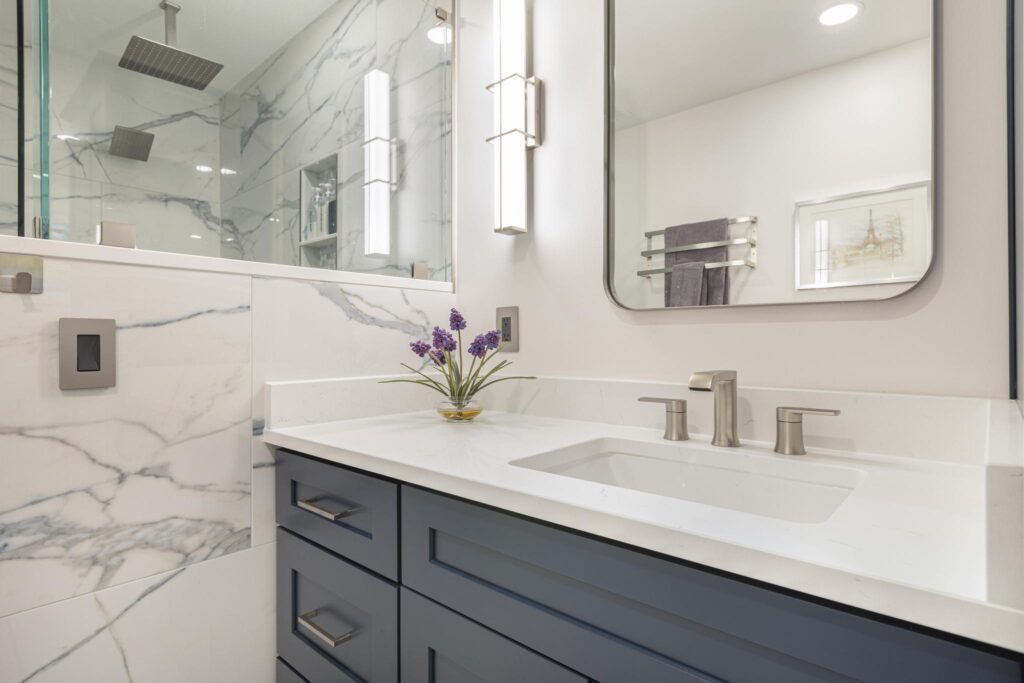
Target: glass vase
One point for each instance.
(459, 409)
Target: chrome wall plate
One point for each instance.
(87, 353)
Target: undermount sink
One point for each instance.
(765, 485)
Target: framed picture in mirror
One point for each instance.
(868, 238)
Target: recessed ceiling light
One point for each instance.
(442, 35)
(228, 171)
(196, 237)
(65, 136)
(839, 14)
(202, 168)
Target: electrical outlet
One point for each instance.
(507, 321)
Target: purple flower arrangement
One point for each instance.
(444, 353)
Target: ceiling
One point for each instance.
(672, 55)
(240, 34)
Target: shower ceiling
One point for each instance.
(238, 34)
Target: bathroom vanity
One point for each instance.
(414, 550)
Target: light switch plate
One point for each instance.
(84, 335)
(507, 322)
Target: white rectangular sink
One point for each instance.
(759, 484)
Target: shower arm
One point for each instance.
(170, 23)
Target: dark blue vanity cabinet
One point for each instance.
(379, 581)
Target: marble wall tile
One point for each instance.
(164, 222)
(264, 134)
(305, 101)
(262, 224)
(306, 330)
(106, 486)
(212, 621)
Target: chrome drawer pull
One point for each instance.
(334, 641)
(309, 505)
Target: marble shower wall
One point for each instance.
(174, 206)
(8, 118)
(305, 103)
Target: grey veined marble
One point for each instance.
(106, 486)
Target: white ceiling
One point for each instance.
(240, 34)
(672, 55)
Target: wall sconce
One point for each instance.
(516, 117)
(378, 163)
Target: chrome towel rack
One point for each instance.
(750, 261)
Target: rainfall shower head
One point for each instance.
(131, 143)
(165, 60)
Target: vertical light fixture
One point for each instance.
(377, 171)
(516, 117)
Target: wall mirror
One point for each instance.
(310, 133)
(768, 152)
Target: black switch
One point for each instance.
(88, 353)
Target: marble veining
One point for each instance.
(138, 631)
(103, 487)
(313, 330)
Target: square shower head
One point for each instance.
(131, 143)
(168, 63)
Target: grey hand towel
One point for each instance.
(687, 285)
(716, 280)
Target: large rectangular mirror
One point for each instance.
(310, 133)
(768, 152)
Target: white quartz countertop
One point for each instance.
(933, 543)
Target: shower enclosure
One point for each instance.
(309, 133)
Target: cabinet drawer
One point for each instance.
(353, 514)
(335, 621)
(286, 674)
(619, 615)
(440, 646)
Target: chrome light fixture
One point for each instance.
(516, 117)
(378, 171)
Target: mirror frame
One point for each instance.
(934, 182)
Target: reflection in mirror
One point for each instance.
(310, 133)
(769, 152)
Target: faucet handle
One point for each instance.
(675, 417)
(789, 428)
(672, 405)
(790, 414)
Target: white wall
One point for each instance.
(852, 127)
(947, 336)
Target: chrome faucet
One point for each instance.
(723, 384)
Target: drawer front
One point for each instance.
(335, 621)
(353, 514)
(440, 646)
(286, 674)
(619, 615)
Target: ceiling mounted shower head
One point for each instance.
(131, 143)
(164, 60)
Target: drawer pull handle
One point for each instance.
(309, 505)
(306, 622)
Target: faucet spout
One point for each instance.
(706, 380)
(723, 384)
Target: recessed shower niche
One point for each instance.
(318, 214)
